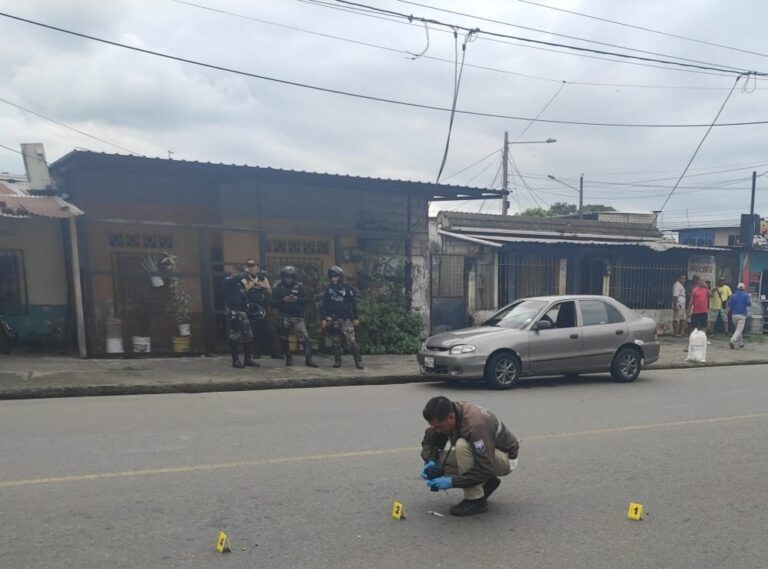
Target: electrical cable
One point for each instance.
(551, 33)
(433, 21)
(616, 22)
(696, 152)
(483, 159)
(457, 74)
(440, 59)
(361, 95)
(61, 124)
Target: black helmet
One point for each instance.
(336, 271)
(289, 271)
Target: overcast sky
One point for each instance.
(150, 106)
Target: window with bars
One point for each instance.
(642, 284)
(522, 276)
(13, 287)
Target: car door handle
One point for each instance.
(619, 332)
(574, 336)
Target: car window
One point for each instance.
(596, 312)
(517, 315)
(562, 315)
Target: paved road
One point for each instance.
(306, 478)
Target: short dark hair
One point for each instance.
(437, 408)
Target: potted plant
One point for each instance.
(151, 264)
(179, 299)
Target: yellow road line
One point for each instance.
(350, 454)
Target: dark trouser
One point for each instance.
(295, 326)
(262, 338)
(343, 332)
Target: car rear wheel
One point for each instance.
(503, 370)
(627, 364)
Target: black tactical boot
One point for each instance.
(247, 356)
(358, 357)
(469, 507)
(337, 356)
(236, 363)
(490, 486)
(308, 354)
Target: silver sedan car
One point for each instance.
(550, 335)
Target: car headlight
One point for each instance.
(462, 349)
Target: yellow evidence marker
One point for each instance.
(222, 545)
(398, 512)
(635, 511)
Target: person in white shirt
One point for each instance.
(679, 316)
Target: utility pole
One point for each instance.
(752, 204)
(581, 194)
(505, 175)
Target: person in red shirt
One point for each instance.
(699, 305)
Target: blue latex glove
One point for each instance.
(427, 467)
(442, 483)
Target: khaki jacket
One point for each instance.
(481, 429)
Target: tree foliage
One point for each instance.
(564, 208)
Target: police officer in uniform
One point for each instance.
(290, 298)
(259, 297)
(235, 292)
(339, 316)
(466, 447)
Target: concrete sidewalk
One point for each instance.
(32, 376)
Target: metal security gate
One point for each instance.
(449, 293)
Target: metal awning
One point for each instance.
(22, 207)
(659, 246)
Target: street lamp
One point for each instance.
(505, 161)
(580, 189)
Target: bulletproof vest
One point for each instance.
(232, 292)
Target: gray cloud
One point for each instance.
(152, 105)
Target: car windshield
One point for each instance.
(517, 315)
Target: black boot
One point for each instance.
(469, 507)
(337, 356)
(490, 486)
(247, 356)
(358, 357)
(236, 363)
(308, 354)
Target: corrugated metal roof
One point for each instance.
(16, 202)
(37, 206)
(658, 246)
(472, 191)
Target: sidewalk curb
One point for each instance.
(210, 387)
(286, 383)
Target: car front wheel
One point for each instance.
(626, 365)
(503, 370)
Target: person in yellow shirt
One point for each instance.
(718, 303)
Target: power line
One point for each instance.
(541, 112)
(32, 156)
(440, 59)
(361, 95)
(458, 72)
(433, 21)
(61, 124)
(483, 159)
(698, 147)
(548, 32)
(624, 24)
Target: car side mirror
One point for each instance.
(543, 325)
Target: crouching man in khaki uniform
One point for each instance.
(466, 447)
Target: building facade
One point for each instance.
(204, 220)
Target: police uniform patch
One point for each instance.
(480, 446)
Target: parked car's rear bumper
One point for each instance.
(651, 352)
(460, 366)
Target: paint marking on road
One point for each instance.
(350, 454)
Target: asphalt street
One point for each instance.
(306, 478)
